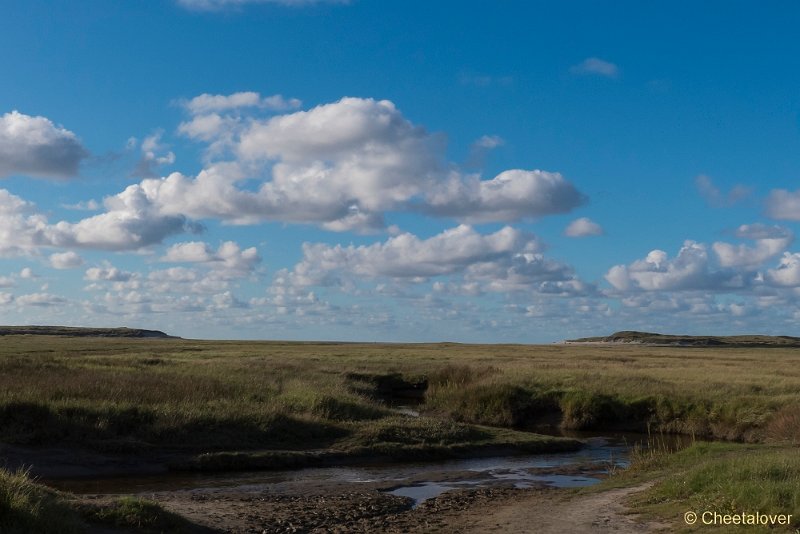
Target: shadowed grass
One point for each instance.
(27, 507)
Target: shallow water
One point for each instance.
(419, 481)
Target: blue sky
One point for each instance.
(407, 171)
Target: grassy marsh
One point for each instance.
(131, 394)
(240, 405)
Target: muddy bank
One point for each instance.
(503, 509)
(420, 497)
(345, 511)
(334, 509)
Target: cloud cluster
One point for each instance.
(657, 272)
(528, 273)
(208, 103)
(205, 287)
(228, 261)
(34, 146)
(407, 256)
(507, 261)
(734, 268)
(342, 166)
(130, 222)
(769, 242)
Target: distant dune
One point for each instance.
(77, 331)
(649, 338)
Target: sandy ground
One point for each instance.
(351, 509)
(593, 513)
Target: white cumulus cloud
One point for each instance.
(689, 270)
(34, 146)
(769, 241)
(207, 103)
(108, 274)
(229, 259)
(406, 256)
(510, 196)
(65, 260)
(787, 273)
(583, 227)
(342, 166)
(130, 222)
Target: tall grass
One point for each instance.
(656, 451)
(784, 425)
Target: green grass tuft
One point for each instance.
(723, 478)
(27, 507)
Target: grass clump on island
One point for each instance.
(26, 506)
(389, 439)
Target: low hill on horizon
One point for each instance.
(80, 331)
(650, 338)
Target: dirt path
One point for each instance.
(578, 514)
